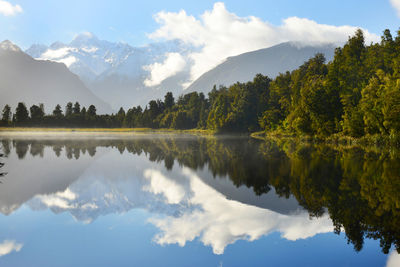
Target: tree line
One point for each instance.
(356, 94)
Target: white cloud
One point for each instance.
(58, 200)
(219, 34)
(60, 55)
(9, 246)
(173, 63)
(68, 61)
(90, 49)
(7, 9)
(159, 184)
(393, 259)
(52, 54)
(219, 221)
(396, 5)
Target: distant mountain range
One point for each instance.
(269, 61)
(112, 75)
(114, 71)
(25, 79)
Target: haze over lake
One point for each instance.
(185, 200)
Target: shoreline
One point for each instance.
(4, 130)
(338, 140)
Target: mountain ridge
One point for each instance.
(242, 68)
(25, 79)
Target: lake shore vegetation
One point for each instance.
(353, 98)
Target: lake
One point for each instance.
(185, 200)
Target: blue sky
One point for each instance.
(46, 21)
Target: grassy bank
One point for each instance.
(368, 140)
(101, 130)
(337, 139)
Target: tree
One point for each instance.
(57, 112)
(91, 112)
(372, 104)
(68, 109)
(77, 108)
(37, 113)
(83, 112)
(6, 115)
(21, 113)
(169, 100)
(120, 117)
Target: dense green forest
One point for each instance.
(356, 94)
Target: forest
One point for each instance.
(356, 94)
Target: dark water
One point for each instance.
(156, 200)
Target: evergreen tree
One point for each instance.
(77, 108)
(68, 109)
(57, 112)
(37, 113)
(91, 112)
(6, 115)
(169, 100)
(21, 114)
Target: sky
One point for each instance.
(215, 30)
(45, 21)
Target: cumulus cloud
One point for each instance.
(58, 200)
(217, 224)
(219, 34)
(159, 184)
(9, 246)
(396, 5)
(7, 9)
(173, 63)
(393, 259)
(60, 55)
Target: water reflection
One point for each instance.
(218, 190)
(9, 246)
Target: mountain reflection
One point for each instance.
(216, 189)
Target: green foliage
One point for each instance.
(21, 114)
(6, 115)
(37, 113)
(356, 94)
(57, 112)
(68, 109)
(77, 108)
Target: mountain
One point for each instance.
(25, 79)
(114, 71)
(86, 55)
(269, 61)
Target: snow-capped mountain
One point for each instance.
(86, 55)
(120, 73)
(24, 79)
(114, 71)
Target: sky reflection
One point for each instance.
(113, 195)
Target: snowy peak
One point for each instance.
(36, 50)
(84, 39)
(9, 46)
(86, 55)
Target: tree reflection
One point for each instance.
(2, 155)
(359, 188)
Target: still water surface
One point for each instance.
(174, 200)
